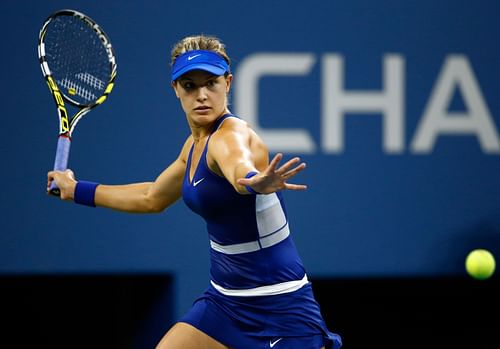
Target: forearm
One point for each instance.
(132, 198)
(147, 197)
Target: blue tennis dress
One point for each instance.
(259, 295)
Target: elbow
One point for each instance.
(155, 209)
(153, 206)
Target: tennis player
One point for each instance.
(259, 295)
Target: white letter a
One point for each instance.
(476, 120)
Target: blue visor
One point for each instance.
(199, 60)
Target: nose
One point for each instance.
(202, 94)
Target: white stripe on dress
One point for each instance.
(268, 290)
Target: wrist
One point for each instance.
(84, 193)
(249, 188)
(72, 189)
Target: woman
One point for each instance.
(259, 295)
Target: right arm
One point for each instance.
(147, 197)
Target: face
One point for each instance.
(203, 95)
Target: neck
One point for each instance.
(201, 131)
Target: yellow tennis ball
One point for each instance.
(480, 264)
(72, 91)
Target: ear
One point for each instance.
(229, 80)
(174, 86)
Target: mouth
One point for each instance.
(202, 108)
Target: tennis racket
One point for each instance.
(79, 66)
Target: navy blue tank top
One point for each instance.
(250, 242)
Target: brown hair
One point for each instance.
(199, 42)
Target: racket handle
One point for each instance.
(61, 161)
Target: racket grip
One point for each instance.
(61, 161)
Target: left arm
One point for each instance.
(238, 150)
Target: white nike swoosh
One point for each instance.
(195, 183)
(193, 57)
(272, 344)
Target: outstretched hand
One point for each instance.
(274, 179)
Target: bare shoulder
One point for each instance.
(235, 136)
(233, 124)
(237, 128)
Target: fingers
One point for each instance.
(287, 171)
(70, 174)
(53, 174)
(50, 178)
(295, 186)
(275, 161)
(274, 179)
(294, 171)
(244, 181)
(284, 170)
(289, 164)
(58, 177)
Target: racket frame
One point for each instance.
(67, 124)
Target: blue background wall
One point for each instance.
(370, 211)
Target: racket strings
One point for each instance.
(77, 59)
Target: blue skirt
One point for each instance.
(291, 320)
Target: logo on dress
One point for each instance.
(272, 344)
(195, 183)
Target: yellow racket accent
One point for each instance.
(109, 88)
(101, 99)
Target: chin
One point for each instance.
(202, 119)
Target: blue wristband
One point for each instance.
(85, 193)
(249, 188)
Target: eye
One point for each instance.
(211, 83)
(188, 85)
